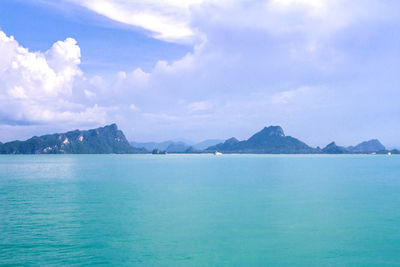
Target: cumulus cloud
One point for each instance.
(37, 87)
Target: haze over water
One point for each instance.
(303, 210)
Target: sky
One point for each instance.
(324, 70)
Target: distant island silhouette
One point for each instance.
(110, 140)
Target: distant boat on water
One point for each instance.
(216, 153)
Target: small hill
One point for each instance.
(228, 145)
(368, 147)
(395, 151)
(332, 148)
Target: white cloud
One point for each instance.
(175, 20)
(35, 74)
(89, 94)
(138, 76)
(167, 20)
(133, 107)
(37, 87)
(287, 97)
(200, 106)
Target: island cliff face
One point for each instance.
(103, 140)
(270, 140)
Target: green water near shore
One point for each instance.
(303, 210)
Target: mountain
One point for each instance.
(228, 145)
(166, 146)
(270, 140)
(103, 140)
(108, 139)
(332, 148)
(183, 140)
(367, 147)
(150, 146)
(179, 147)
(176, 145)
(193, 150)
(207, 143)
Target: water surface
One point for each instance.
(169, 210)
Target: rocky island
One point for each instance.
(110, 140)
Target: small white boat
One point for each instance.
(389, 153)
(216, 153)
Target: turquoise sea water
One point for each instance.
(198, 210)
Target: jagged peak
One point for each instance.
(331, 144)
(273, 131)
(111, 126)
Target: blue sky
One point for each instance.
(108, 46)
(323, 70)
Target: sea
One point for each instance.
(200, 210)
